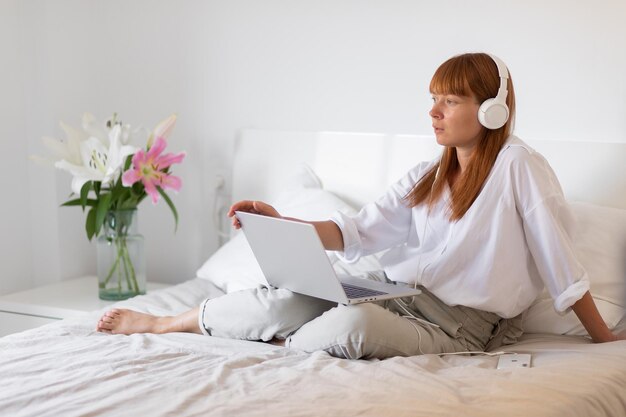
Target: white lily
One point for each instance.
(97, 163)
(101, 130)
(137, 135)
(68, 149)
(95, 129)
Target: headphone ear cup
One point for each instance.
(493, 114)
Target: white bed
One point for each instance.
(68, 369)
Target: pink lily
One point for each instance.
(149, 168)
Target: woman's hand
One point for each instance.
(588, 314)
(620, 336)
(613, 337)
(328, 231)
(255, 207)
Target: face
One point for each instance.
(455, 120)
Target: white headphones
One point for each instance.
(494, 112)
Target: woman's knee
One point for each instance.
(259, 313)
(345, 331)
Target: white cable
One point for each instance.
(419, 335)
(477, 352)
(401, 303)
(473, 352)
(411, 315)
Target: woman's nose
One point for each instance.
(434, 112)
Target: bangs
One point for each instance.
(452, 77)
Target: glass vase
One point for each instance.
(121, 259)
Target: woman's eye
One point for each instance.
(450, 102)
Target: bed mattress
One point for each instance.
(69, 369)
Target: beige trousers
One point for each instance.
(403, 327)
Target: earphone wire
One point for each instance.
(410, 316)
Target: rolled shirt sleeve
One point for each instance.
(351, 239)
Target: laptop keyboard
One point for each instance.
(353, 291)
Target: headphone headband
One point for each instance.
(503, 73)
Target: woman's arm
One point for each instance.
(328, 231)
(330, 234)
(588, 314)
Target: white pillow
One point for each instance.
(233, 267)
(600, 243)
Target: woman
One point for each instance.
(481, 231)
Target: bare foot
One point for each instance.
(120, 321)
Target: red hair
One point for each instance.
(470, 75)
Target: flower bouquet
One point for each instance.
(110, 177)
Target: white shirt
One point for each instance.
(513, 240)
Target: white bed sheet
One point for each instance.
(68, 369)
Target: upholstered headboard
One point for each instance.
(359, 166)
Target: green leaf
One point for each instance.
(78, 202)
(138, 189)
(101, 211)
(169, 203)
(84, 192)
(127, 163)
(90, 223)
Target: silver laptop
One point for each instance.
(291, 255)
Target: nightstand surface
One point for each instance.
(61, 299)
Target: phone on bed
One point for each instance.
(514, 360)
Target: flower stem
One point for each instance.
(111, 271)
(119, 244)
(131, 277)
(122, 268)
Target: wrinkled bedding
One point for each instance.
(68, 369)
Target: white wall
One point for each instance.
(275, 64)
(14, 180)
